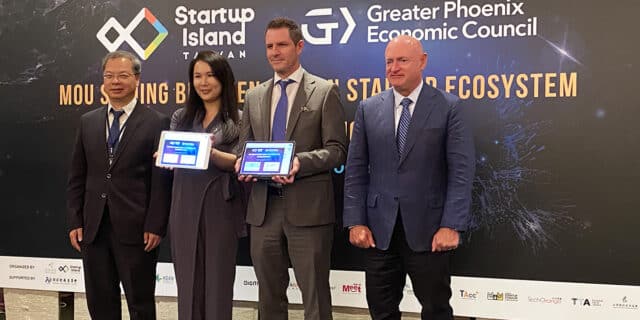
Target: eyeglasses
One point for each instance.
(119, 76)
(399, 61)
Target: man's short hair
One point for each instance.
(294, 30)
(137, 66)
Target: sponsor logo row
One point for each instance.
(495, 296)
(50, 274)
(51, 268)
(69, 274)
(501, 296)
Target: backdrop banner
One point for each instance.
(549, 86)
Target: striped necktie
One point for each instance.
(403, 125)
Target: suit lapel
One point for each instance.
(265, 112)
(132, 123)
(419, 118)
(387, 121)
(305, 90)
(100, 130)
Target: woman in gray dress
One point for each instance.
(207, 212)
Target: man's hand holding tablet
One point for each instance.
(295, 167)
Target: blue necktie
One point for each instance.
(279, 127)
(114, 130)
(403, 125)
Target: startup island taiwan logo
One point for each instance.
(124, 34)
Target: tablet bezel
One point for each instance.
(204, 148)
(267, 175)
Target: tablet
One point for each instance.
(263, 159)
(188, 150)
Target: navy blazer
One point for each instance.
(429, 184)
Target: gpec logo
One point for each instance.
(328, 27)
(124, 34)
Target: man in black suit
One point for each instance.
(118, 201)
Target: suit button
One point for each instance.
(108, 175)
(395, 198)
(103, 196)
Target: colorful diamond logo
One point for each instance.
(124, 34)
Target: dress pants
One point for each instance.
(386, 272)
(273, 245)
(107, 262)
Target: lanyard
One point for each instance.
(112, 151)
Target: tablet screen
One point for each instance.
(180, 149)
(267, 159)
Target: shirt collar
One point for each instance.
(413, 95)
(295, 76)
(128, 108)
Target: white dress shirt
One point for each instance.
(128, 109)
(397, 109)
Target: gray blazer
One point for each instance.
(317, 125)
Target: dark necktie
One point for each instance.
(279, 127)
(403, 124)
(114, 130)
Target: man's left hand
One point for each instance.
(295, 167)
(151, 241)
(445, 239)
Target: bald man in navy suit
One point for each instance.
(408, 183)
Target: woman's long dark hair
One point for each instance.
(228, 96)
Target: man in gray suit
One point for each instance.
(292, 218)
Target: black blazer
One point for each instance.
(137, 192)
